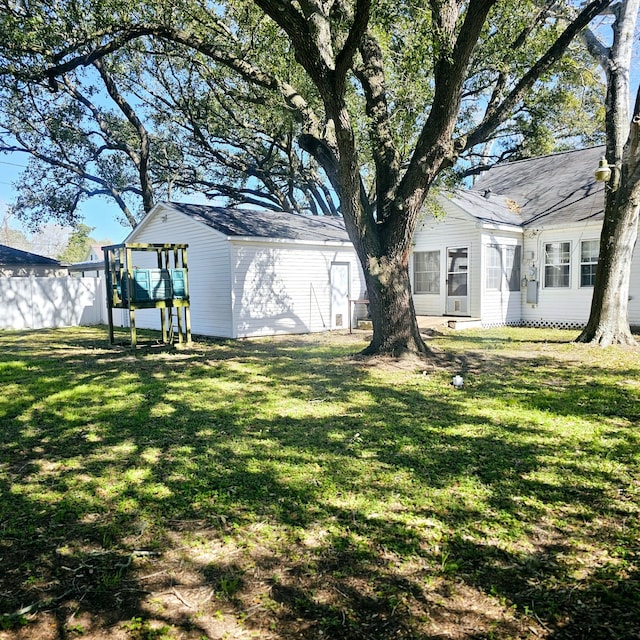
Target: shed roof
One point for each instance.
(264, 224)
(554, 189)
(11, 256)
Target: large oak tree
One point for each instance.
(411, 85)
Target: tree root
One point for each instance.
(607, 337)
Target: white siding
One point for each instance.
(454, 230)
(41, 302)
(504, 306)
(281, 288)
(634, 289)
(208, 258)
(557, 306)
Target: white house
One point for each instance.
(255, 273)
(520, 247)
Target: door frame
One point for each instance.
(456, 305)
(339, 316)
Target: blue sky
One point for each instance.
(97, 213)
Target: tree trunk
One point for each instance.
(609, 320)
(395, 327)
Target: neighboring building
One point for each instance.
(93, 267)
(17, 263)
(87, 269)
(520, 247)
(255, 273)
(96, 254)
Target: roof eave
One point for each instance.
(499, 226)
(259, 239)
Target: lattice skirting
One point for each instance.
(535, 324)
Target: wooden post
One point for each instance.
(187, 320)
(163, 312)
(108, 285)
(128, 263)
(132, 327)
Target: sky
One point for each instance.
(97, 212)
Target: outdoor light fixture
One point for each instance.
(603, 172)
(457, 382)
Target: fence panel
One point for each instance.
(41, 303)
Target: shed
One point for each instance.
(256, 273)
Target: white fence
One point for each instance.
(40, 303)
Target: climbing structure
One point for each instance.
(164, 287)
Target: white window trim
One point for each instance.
(506, 275)
(545, 264)
(439, 273)
(596, 240)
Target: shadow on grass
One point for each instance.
(272, 486)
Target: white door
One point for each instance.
(339, 281)
(458, 281)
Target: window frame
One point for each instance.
(506, 275)
(563, 265)
(426, 276)
(589, 263)
(494, 273)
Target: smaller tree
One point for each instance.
(608, 320)
(12, 237)
(79, 245)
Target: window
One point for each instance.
(426, 272)
(494, 267)
(503, 267)
(588, 262)
(557, 267)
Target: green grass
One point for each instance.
(310, 494)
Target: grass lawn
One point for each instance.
(280, 488)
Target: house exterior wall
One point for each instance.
(566, 307)
(456, 229)
(208, 258)
(283, 287)
(555, 307)
(48, 302)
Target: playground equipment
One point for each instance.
(165, 288)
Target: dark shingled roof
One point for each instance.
(492, 208)
(11, 256)
(555, 189)
(265, 224)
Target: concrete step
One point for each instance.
(465, 323)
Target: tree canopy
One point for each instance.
(154, 118)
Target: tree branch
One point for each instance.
(344, 59)
(142, 159)
(544, 64)
(385, 153)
